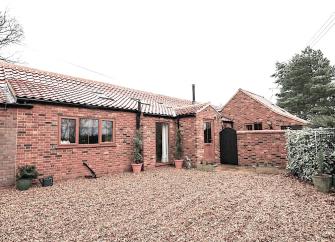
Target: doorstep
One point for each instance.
(159, 164)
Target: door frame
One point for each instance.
(168, 139)
(206, 120)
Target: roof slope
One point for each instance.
(272, 107)
(40, 85)
(192, 108)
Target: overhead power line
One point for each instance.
(321, 28)
(67, 62)
(322, 31)
(326, 31)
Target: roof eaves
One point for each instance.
(33, 100)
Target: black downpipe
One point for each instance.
(138, 115)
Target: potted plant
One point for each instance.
(333, 168)
(25, 176)
(178, 162)
(138, 158)
(321, 180)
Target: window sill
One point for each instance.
(60, 146)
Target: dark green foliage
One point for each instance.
(179, 148)
(306, 87)
(138, 158)
(323, 121)
(320, 163)
(27, 172)
(310, 152)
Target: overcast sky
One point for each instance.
(165, 46)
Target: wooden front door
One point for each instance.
(228, 146)
(209, 154)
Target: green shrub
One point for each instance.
(138, 158)
(310, 151)
(179, 148)
(27, 172)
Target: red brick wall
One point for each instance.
(37, 142)
(264, 147)
(148, 125)
(243, 109)
(188, 131)
(207, 114)
(7, 146)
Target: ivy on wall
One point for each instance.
(303, 147)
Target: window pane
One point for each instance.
(68, 131)
(159, 142)
(207, 132)
(107, 131)
(258, 126)
(88, 131)
(249, 126)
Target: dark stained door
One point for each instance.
(228, 146)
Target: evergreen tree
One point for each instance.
(307, 87)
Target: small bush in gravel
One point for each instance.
(187, 162)
(27, 172)
(24, 177)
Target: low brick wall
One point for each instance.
(264, 147)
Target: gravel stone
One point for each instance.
(170, 205)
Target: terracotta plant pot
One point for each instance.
(23, 184)
(137, 167)
(322, 182)
(178, 164)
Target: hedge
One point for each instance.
(304, 148)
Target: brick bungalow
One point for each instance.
(260, 127)
(56, 122)
(250, 111)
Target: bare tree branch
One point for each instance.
(11, 33)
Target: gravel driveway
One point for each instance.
(169, 205)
